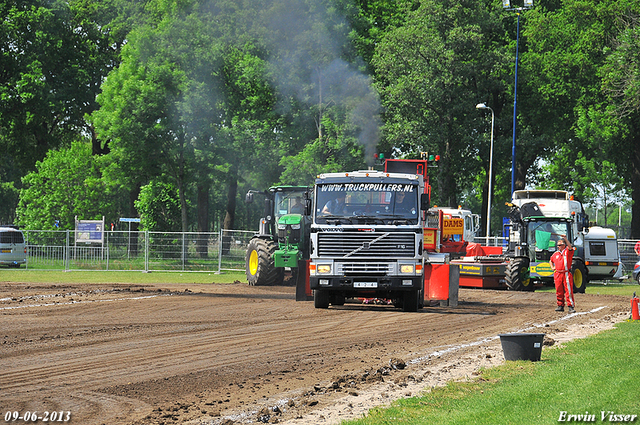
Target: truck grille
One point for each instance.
(347, 269)
(361, 245)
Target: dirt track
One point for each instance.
(114, 354)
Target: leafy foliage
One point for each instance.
(66, 184)
(430, 73)
(159, 207)
(216, 97)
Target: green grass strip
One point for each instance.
(117, 277)
(591, 376)
(625, 289)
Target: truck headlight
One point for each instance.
(406, 268)
(324, 268)
(295, 226)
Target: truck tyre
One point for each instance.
(580, 277)
(337, 299)
(517, 275)
(410, 301)
(259, 265)
(320, 299)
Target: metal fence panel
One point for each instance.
(182, 251)
(139, 251)
(47, 249)
(175, 251)
(234, 249)
(628, 256)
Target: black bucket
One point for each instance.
(522, 346)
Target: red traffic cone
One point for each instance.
(635, 315)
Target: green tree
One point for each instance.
(316, 73)
(190, 105)
(66, 184)
(159, 105)
(159, 207)
(431, 72)
(55, 55)
(621, 84)
(574, 51)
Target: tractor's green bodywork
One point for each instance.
(283, 236)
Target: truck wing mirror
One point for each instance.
(307, 207)
(307, 203)
(424, 201)
(268, 209)
(248, 198)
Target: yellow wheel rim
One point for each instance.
(253, 262)
(577, 279)
(526, 278)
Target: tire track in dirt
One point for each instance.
(226, 346)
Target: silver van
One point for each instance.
(13, 250)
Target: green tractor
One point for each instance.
(283, 236)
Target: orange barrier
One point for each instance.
(441, 282)
(634, 307)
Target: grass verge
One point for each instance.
(598, 374)
(625, 289)
(124, 277)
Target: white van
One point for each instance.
(601, 253)
(13, 250)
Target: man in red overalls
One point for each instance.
(562, 276)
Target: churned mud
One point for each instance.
(231, 353)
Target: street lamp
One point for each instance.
(506, 4)
(484, 106)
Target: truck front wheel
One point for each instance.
(320, 299)
(410, 301)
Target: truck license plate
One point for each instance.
(365, 284)
(6, 251)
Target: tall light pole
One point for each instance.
(506, 4)
(484, 106)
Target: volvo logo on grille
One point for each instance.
(366, 245)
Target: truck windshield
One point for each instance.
(543, 235)
(367, 201)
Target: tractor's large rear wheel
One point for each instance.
(259, 265)
(580, 277)
(517, 275)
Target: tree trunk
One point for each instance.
(96, 146)
(635, 189)
(183, 206)
(203, 219)
(133, 235)
(446, 180)
(230, 217)
(521, 173)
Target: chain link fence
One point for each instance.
(138, 251)
(628, 256)
(177, 251)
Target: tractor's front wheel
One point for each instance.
(259, 264)
(517, 275)
(580, 277)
